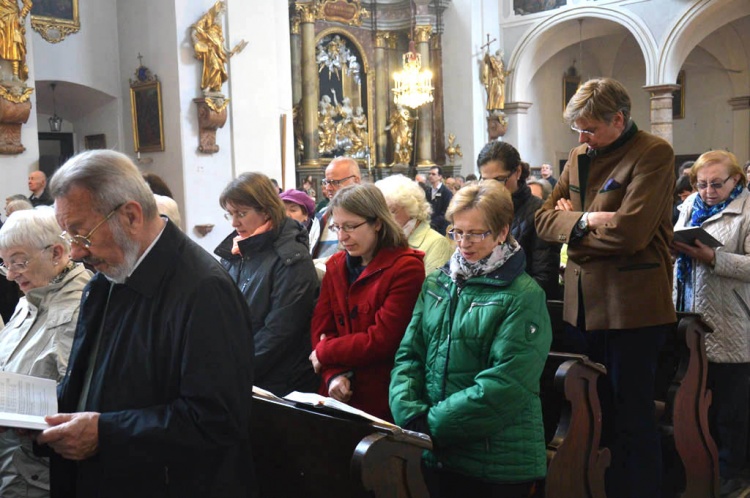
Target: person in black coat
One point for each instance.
(500, 161)
(439, 196)
(267, 256)
(157, 397)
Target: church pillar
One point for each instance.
(296, 51)
(438, 110)
(381, 97)
(424, 113)
(517, 115)
(310, 86)
(661, 110)
(741, 122)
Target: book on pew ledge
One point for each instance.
(26, 400)
(315, 399)
(688, 236)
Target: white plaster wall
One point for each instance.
(88, 57)
(261, 88)
(148, 27)
(467, 23)
(15, 169)
(100, 121)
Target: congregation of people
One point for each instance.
(420, 301)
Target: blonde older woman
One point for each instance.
(407, 202)
(37, 339)
(716, 284)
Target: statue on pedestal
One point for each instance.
(493, 79)
(400, 126)
(15, 106)
(208, 43)
(13, 36)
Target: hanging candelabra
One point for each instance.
(412, 85)
(55, 122)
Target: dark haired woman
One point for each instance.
(267, 257)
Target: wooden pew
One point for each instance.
(690, 456)
(307, 452)
(572, 426)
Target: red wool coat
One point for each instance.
(364, 323)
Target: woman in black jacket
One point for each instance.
(501, 161)
(268, 258)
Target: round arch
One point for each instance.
(698, 22)
(536, 46)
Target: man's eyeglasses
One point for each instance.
(336, 183)
(713, 185)
(468, 237)
(582, 132)
(85, 240)
(346, 228)
(501, 179)
(21, 266)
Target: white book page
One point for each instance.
(317, 399)
(26, 400)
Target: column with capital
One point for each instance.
(741, 126)
(308, 13)
(517, 116)
(661, 110)
(424, 125)
(382, 92)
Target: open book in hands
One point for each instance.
(689, 234)
(26, 400)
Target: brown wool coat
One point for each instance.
(624, 268)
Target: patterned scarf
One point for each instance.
(462, 270)
(701, 212)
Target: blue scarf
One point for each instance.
(701, 212)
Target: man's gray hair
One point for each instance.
(109, 176)
(31, 229)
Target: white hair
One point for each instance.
(403, 192)
(31, 228)
(168, 207)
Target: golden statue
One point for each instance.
(493, 79)
(326, 126)
(208, 43)
(401, 135)
(13, 35)
(358, 134)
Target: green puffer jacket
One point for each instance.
(471, 361)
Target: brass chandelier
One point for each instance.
(412, 85)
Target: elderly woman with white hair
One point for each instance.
(407, 202)
(38, 338)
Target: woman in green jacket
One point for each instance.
(467, 371)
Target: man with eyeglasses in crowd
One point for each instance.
(613, 207)
(439, 196)
(156, 399)
(340, 172)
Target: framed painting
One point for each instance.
(95, 142)
(148, 123)
(678, 98)
(55, 19)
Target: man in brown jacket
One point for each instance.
(612, 205)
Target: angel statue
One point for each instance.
(493, 79)
(400, 127)
(13, 36)
(208, 43)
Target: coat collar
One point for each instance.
(384, 259)
(157, 263)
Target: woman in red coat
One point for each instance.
(366, 301)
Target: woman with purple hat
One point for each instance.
(299, 206)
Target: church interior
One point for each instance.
(126, 75)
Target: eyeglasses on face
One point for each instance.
(468, 237)
(589, 133)
(336, 183)
(713, 185)
(501, 179)
(230, 215)
(21, 266)
(85, 240)
(346, 228)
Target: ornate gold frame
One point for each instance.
(137, 140)
(370, 81)
(55, 29)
